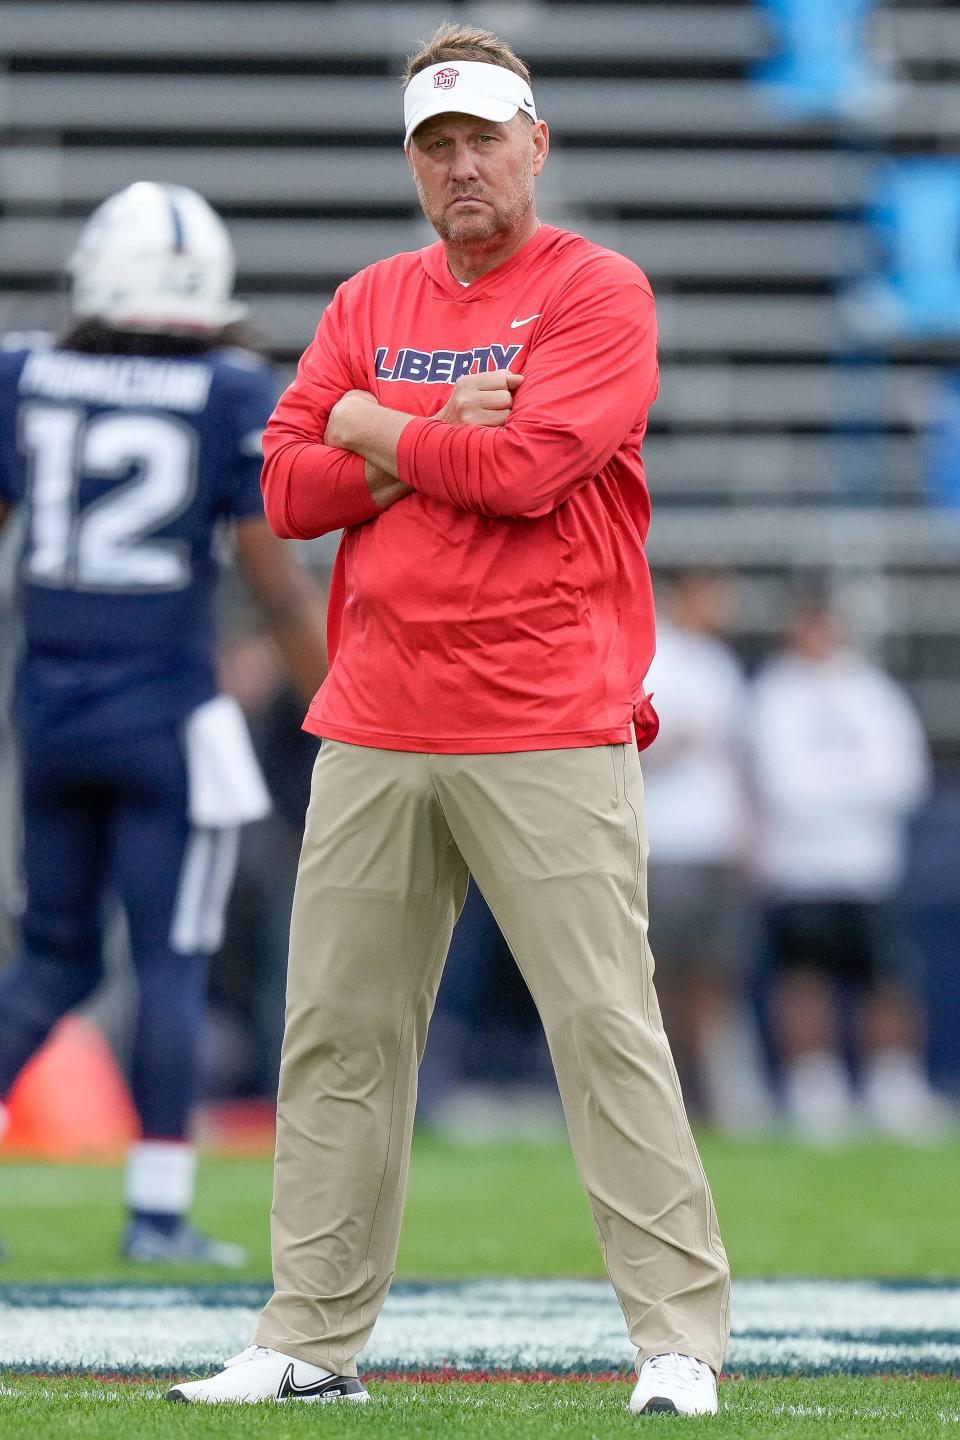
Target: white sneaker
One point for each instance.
(900, 1101)
(676, 1385)
(819, 1100)
(259, 1373)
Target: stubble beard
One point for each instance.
(498, 217)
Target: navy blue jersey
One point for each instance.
(125, 466)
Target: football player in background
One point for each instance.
(700, 824)
(840, 764)
(127, 443)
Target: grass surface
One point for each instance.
(519, 1210)
(32, 1409)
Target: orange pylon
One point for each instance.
(71, 1102)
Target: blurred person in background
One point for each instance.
(127, 443)
(698, 822)
(839, 764)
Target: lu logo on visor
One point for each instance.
(490, 92)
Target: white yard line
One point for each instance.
(780, 1327)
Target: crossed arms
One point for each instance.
(359, 423)
(501, 446)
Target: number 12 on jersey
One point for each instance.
(109, 543)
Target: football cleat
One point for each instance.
(674, 1384)
(259, 1373)
(147, 1244)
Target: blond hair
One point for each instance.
(464, 42)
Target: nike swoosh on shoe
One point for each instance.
(332, 1385)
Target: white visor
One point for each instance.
(466, 87)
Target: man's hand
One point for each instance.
(385, 488)
(485, 399)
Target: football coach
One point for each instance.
(471, 416)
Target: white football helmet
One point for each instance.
(155, 257)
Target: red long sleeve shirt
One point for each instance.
(506, 604)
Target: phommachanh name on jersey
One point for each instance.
(113, 380)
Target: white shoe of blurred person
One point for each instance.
(674, 1384)
(259, 1373)
(899, 1099)
(738, 1099)
(819, 1100)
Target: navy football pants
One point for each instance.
(113, 818)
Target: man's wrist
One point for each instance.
(375, 431)
(384, 489)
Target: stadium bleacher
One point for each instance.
(779, 446)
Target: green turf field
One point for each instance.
(875, 1209)
(839, 1407)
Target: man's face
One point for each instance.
(475, 178)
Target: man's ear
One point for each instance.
(540, 139)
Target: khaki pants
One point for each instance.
(556, 842)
